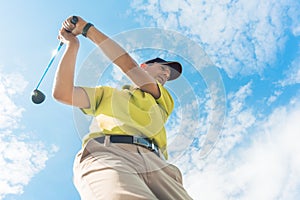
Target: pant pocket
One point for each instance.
(175, 173)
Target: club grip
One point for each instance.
(74, 20)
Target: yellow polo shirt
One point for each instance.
(129, 111)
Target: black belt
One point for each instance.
(128, 139)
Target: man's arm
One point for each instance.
(63, 88)
(119, 57)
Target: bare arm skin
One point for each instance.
(64, 89)
(124, 61)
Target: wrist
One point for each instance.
(73, 44)
(80, 25)
(86, 29)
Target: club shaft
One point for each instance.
(49, 64)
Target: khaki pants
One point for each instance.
(125, 171)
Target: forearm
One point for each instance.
(112, 50)
(64, 79)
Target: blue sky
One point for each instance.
(252, 90)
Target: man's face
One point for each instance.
(159, 72)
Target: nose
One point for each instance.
(167, 74)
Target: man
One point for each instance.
(125, 157)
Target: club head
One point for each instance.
(37, 96)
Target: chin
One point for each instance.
(161, 82)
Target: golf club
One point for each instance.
(37, 96)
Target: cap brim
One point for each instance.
(176, 69)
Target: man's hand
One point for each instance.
(67, 37)
(74, 29)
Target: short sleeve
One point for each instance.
(165, 100)
(95, 96)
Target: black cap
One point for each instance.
(176, 68)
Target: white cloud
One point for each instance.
(243, 37)
(292, 75)
(20, 158)
(10, 85)
(295, 26)
(271, 164)
(255, 158)
(239, 119)
(19, 162)
(274, 97)
(296, 31)
(197, 121)
(183, 126)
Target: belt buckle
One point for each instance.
(152, 146)
(143, 142)
(149, 144)
(134, 140)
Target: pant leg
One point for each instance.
(163, 179)
(110, 184)
(167, 184)
(105, 174)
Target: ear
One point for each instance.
(143, 65)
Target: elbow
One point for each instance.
(56, 95)
(62, 97)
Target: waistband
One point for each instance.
(128, 139)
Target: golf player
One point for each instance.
(124, 157)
